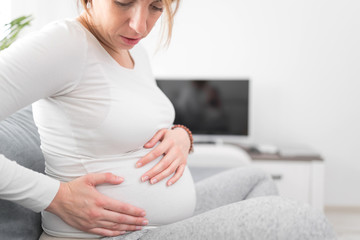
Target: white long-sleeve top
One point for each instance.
(93, 115)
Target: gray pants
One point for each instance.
(221, 213)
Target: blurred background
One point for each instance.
(302, 59)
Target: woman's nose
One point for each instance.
(139, 20)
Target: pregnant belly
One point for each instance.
(163, 204)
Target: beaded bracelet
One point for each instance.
(189, 133)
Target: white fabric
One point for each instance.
(93, 116)
(26, 187)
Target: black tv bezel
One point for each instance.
(211, 136)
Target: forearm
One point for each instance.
(28, 188)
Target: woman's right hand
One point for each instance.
(80, 205)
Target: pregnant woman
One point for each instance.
(115, 164)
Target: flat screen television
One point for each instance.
(213, 109)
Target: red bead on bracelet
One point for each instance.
(189, 133)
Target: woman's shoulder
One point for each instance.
(66, 29)
(64, 38)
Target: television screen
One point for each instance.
(210, 107)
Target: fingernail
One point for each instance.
(143, 214)
(144, 179)
(145, 222)
(154, 180)
(138, 227)
(119, 178)
(122, 232)
(138, 165)
(169, 183)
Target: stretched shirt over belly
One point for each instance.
(163, 204)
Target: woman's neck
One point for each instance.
(121, 56)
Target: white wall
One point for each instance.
(44, 11)
(303, 58)
(5, 16)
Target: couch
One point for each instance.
(19, 141)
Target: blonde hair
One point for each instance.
(170, 6)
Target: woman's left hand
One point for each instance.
(174, 145)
